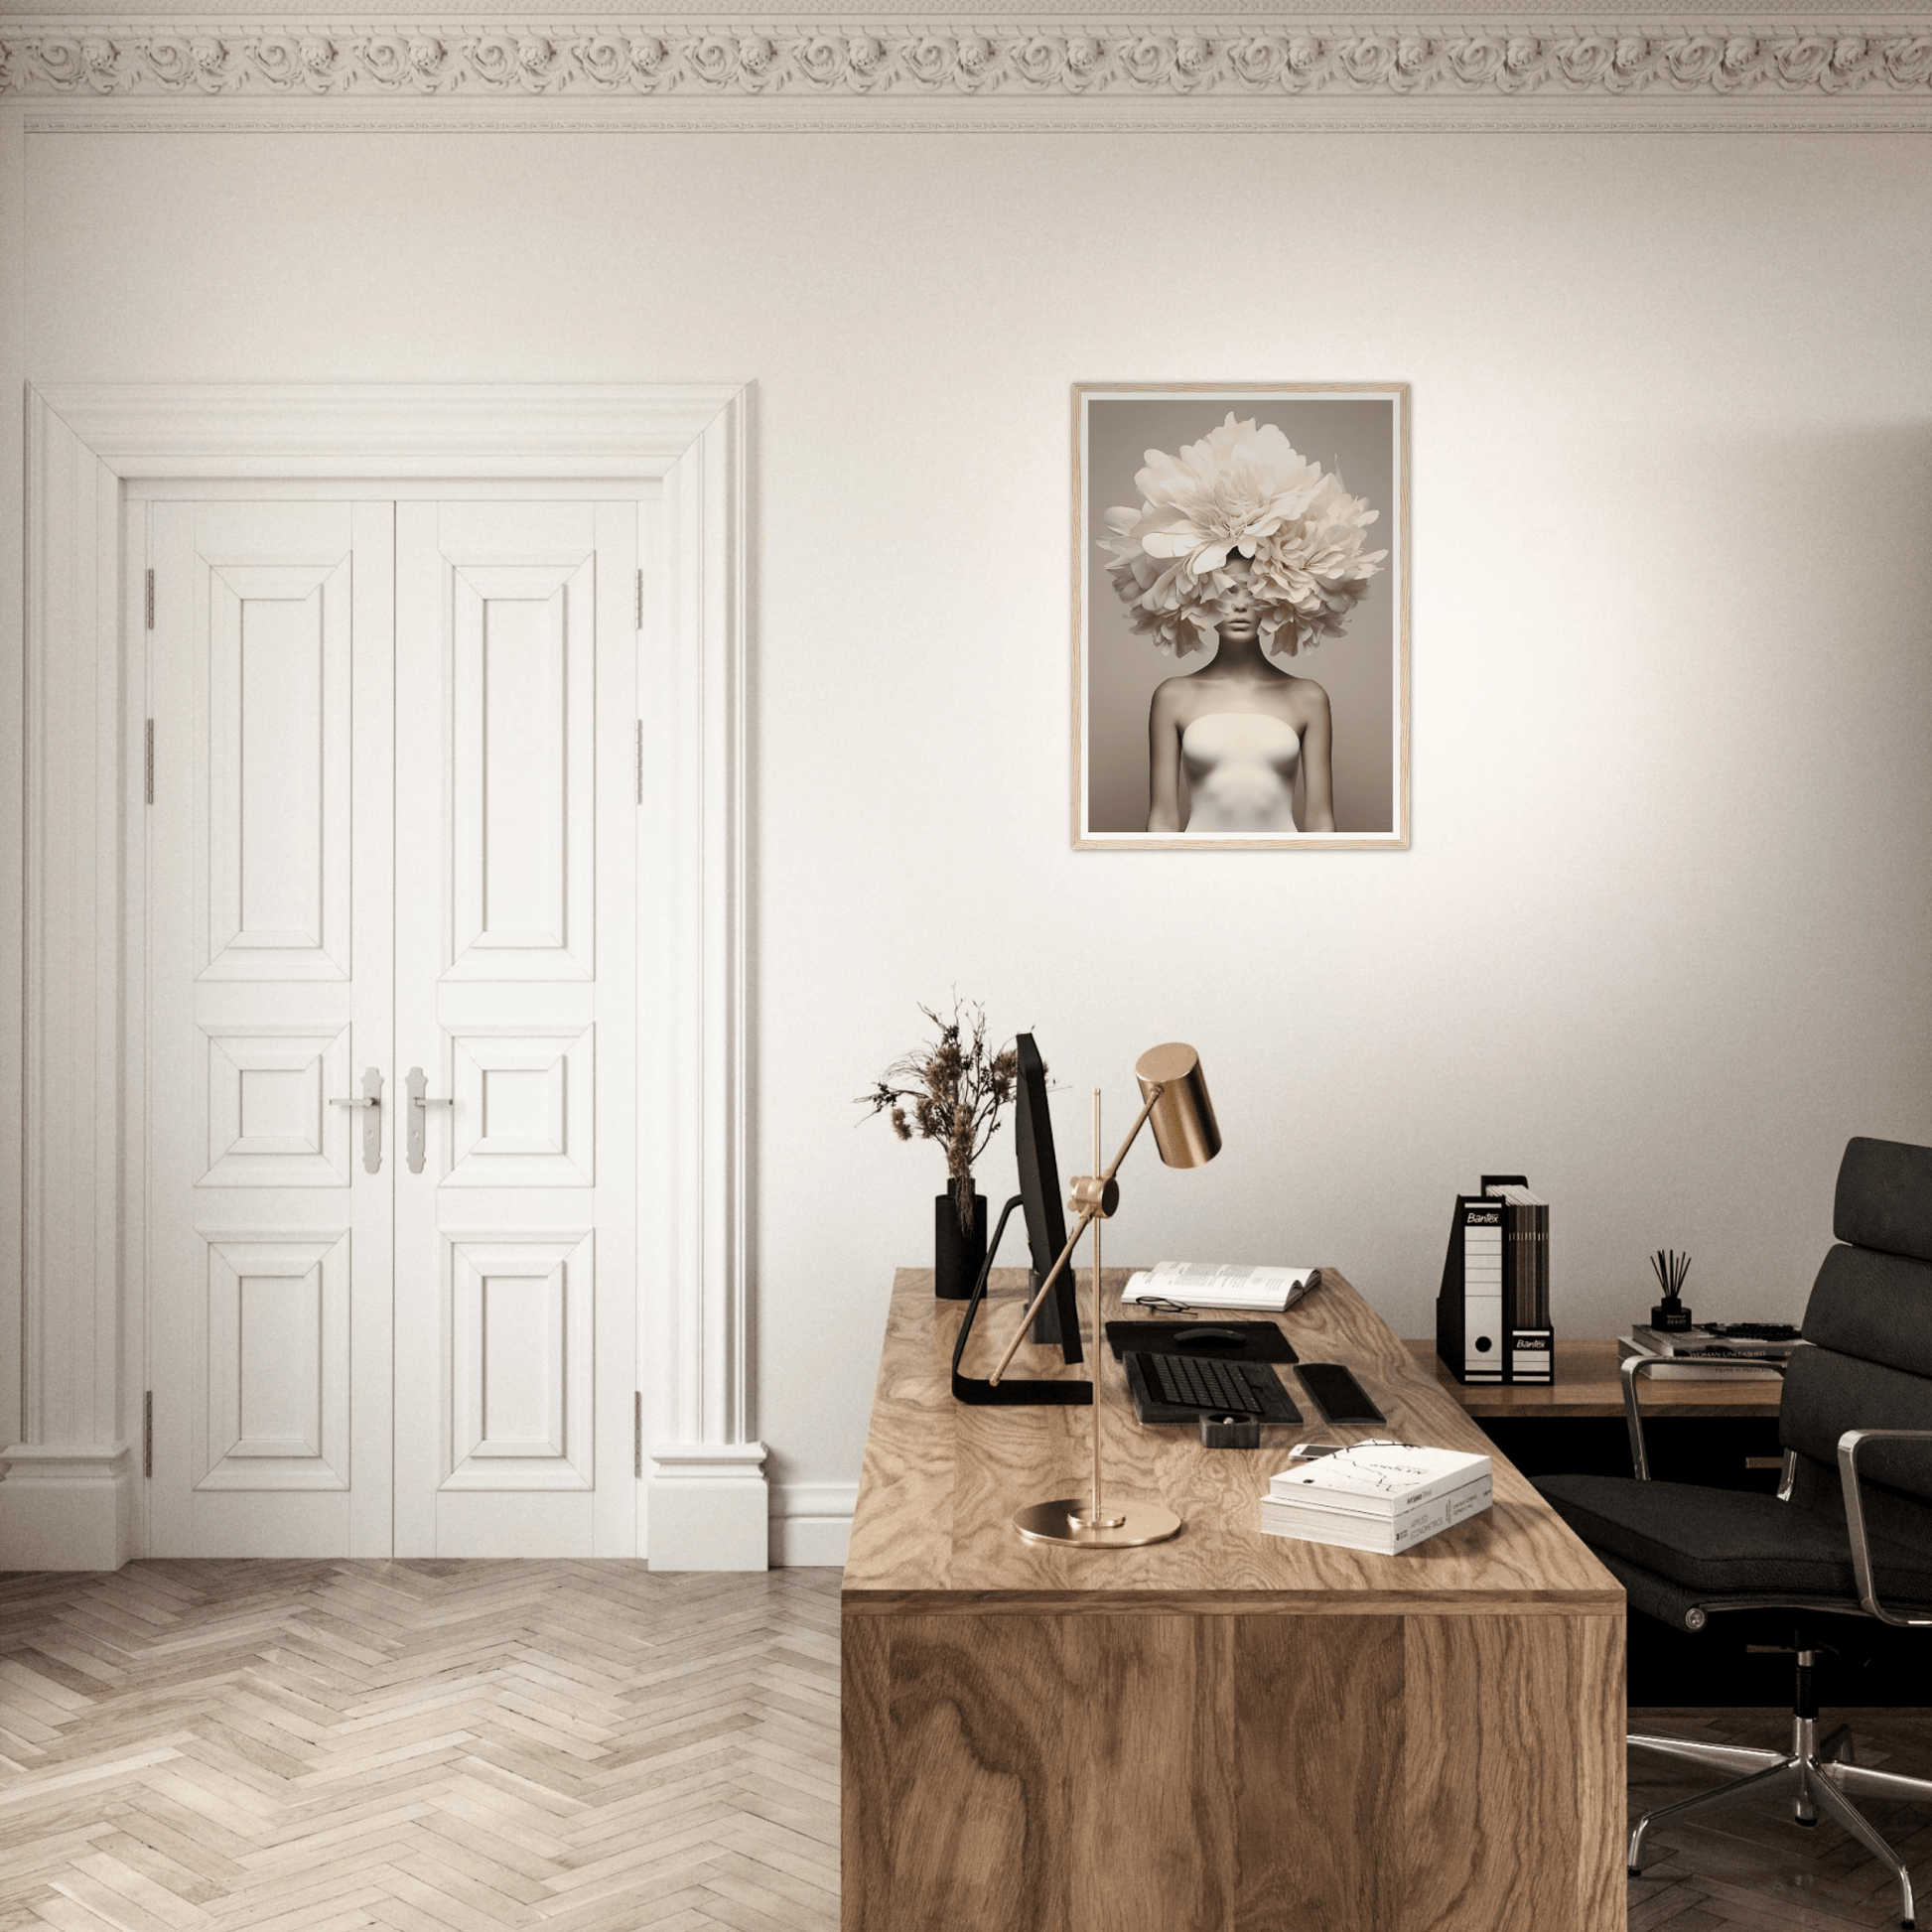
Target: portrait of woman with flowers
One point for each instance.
(1233, 550)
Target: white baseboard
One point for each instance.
(709, 1504)
(66, 1506)
(811, 1523)
(71, 1507)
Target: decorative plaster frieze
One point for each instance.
(949, 60)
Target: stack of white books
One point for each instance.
(1377, 1496)
(1216, 1284)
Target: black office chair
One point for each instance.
(1849, 1535)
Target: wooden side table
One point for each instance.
(1723, 1434)
(1588, 1385)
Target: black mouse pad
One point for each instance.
(1219, 1341)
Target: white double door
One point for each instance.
(390, 856)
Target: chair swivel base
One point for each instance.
(1820, 1774)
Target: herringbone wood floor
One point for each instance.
(429, 1746)
(575, 1746)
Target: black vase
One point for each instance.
(957, 1258)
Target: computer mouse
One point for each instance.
(1206, 1338)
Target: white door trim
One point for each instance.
(69, 1500)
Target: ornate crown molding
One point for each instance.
(1173, 63)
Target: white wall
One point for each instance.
(1661, 938)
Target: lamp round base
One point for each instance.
(1141, 1523)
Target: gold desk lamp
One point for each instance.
(1175, 1097)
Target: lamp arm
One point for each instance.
(1132, 1134)
(1089, 1215)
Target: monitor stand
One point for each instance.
(1012, 1391)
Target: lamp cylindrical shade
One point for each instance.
(1182, 1119)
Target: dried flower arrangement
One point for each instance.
(952, 1092)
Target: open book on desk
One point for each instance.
(1210, 1285)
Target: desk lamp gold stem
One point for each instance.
(1094, 1517)
(1071, 1521)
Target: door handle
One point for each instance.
(417, 1081)
(371, 1098)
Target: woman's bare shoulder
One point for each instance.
(1171, 695)
(1307, 696)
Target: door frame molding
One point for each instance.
(68, 1497)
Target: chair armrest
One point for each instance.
(1849, 1445)
(1635, 1365)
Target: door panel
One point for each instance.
(521, 1329)
(277, 1406)
(269, 992)
(269, 1121)
(514, 1329)
(524, 768)
(523, 1115)
(278, 792)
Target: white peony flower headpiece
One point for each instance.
(1247, 490)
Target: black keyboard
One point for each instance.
(1209, 1387)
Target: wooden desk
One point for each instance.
(1588, 1385)
(1228, 1730)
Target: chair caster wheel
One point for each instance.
(1633, 1871)
(1810, 1824)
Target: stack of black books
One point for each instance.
(1683, 1349)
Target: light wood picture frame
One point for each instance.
(1273, 744)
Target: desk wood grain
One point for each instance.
(1229, 1733)
(941, 1480)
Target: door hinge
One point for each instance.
(637, 1434)
(150, 599)
(149, 760)
(640, 760)
(147, 1433)
(640, 597)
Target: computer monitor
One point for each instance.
(1038, 1200)
(1040, 1196)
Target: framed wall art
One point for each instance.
(1241, 615)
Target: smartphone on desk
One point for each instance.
(1335, 1391)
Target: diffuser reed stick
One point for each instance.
(1670, 1268)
